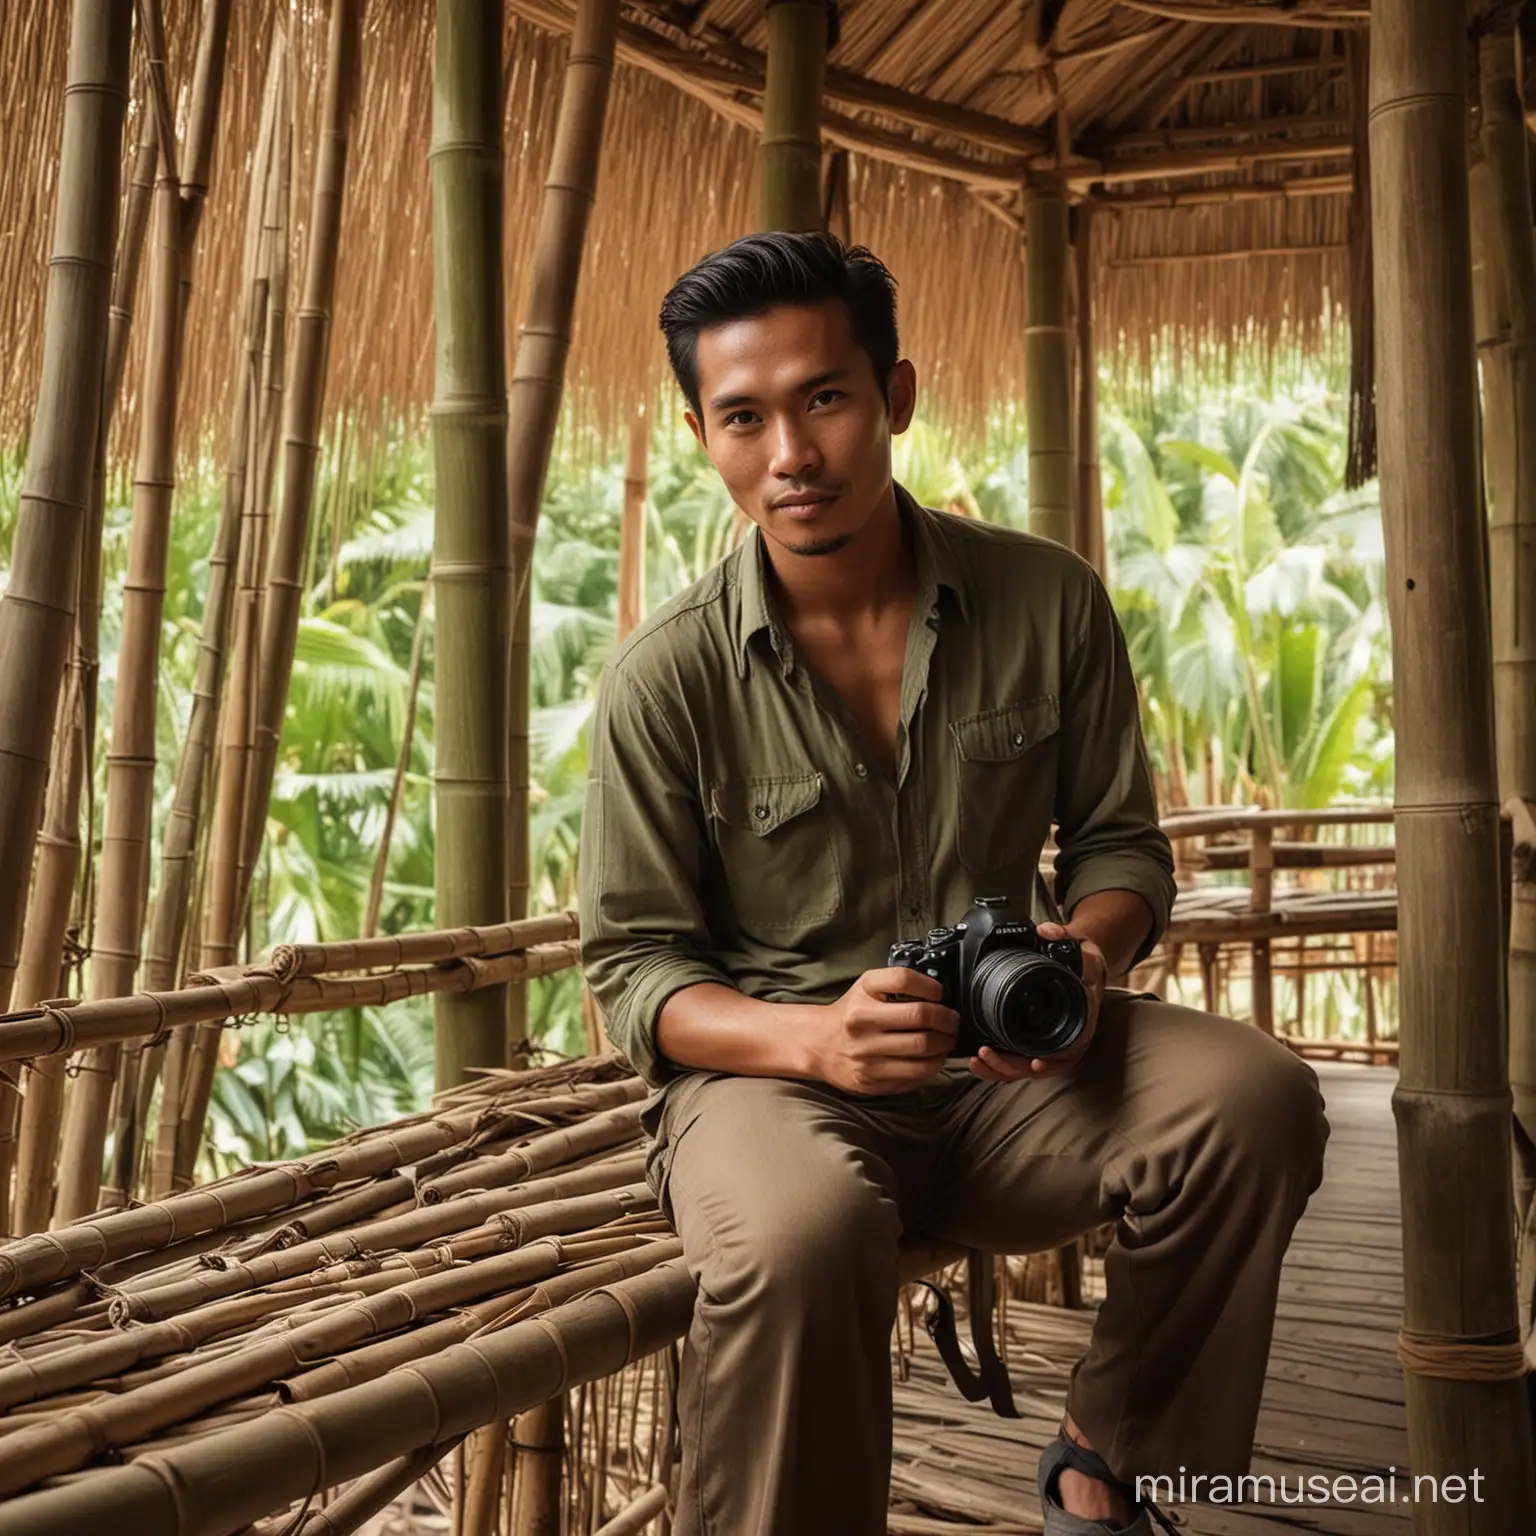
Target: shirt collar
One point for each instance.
(938, 566)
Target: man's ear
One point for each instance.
(901, 395)
(696, 427)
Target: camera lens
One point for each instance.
(1026, 1003)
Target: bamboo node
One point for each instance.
(1450, 1357)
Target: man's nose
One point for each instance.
(795, 455)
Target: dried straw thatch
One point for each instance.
(1206, 140)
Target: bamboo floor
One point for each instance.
(1334, 1399)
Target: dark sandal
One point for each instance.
(1064, 1452)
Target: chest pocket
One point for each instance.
(777, 851)
(1007, 781)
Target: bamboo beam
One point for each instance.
(1505, 291)
(1200, 197)
(791, 142)
(1256, 253)
(1048, 363)
(37, 610)
(1277, 128)
(1203, 823)
(1207, 160)
(469, 559)
(1321, 63)
(721, 88)
(1276, 15)
(1460, 1342)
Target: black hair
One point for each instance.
(762, 272)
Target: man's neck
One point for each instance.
(873, 570)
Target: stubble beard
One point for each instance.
(826, 546)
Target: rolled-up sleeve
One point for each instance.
(644, 934)
(1106, 812)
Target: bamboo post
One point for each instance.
(55, 882)
(538, 379)
(302, 409)
(1460, 1344)
(539, 1438)
(790, 153)
(469, 560)
(1048, 363)
(1505, 289)
(1089, 507)
(302, 404)
(38, 609)
(1261, 866)
(184, 824)
(175, 215)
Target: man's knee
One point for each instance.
(801, 1256)
(1267, 1107)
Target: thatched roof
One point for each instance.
(943, 106)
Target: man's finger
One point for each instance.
(894, 979)
(904, 1044)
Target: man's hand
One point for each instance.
(1000, 1067)
(867, 1043)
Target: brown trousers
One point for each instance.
(1201, 1137)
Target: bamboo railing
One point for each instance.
(1214, 925)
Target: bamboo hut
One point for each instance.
(1107, 184)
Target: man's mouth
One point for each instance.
(804, 505)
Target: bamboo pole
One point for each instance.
(402, 766)
(540, 1440)
(469, 558)
(1505, 287)
(792, 108)
(124, 882)
(289, 1456)
(1047, 363)
(302, 407)
(56, 882)
(1464, 1370)
(1089, 507)
(538, 379)
(184, 824)
(38, 608)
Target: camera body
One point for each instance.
(1013, 990)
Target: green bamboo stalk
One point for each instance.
(1048, 363)
(124, 885)
(1460, 1346)
(790, 152)
(469, 564)
(37, 610)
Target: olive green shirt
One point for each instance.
(738, 830)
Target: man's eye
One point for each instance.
(739, 418)
(826, 396)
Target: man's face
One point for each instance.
(796, 424)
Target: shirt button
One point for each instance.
(1018, 738)
(761, 812)
(861, 770)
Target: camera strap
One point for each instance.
(990, 1378)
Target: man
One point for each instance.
(866, 716)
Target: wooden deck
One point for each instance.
(1334, 1399)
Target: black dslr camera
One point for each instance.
(1013, 990)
